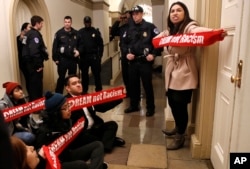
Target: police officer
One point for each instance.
(64, 51)
(34, 53)
(24, 29)
(141, 54)
(119, 28)
(90, 47)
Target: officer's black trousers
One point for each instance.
(124, 65)
(141, 70)
(35, 81)
(65, 64)
(95, 64)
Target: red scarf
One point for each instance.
(189, 39)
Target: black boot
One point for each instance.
(170, 132)
(178, 142)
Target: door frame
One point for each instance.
(36, 8)
(203, 110)
(240, 126)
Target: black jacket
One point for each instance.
(34, 49)
(52, 128)
(90, 42)
(139, 37)
(64, 44)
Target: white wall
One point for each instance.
(56, 11)
(189, 3)
(5, 48)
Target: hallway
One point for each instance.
(145, 143)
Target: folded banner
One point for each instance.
(57, 146)
(52, 160)
(190, 39)
(75, 102)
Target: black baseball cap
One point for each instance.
(87, 19)
(136, 8)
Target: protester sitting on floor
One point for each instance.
(97, 129)
(14, 96)
(56, 123)
(5, 145)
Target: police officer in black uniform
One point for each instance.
(90, 46)
(141, 54)
(119, 28)
(34, 53)
(64, 51)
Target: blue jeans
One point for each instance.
(27, 137)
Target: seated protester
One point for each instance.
(56, 123)
(26, 157)
(97, 129)
(5, 145)
(14, 96)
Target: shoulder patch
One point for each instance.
(156, 31)
(36, 40)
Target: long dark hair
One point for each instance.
(19, 153)
(174, 29)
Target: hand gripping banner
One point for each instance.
(75, 102)
(189, 39)
(52, 151)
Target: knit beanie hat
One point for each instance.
(10, 86)
(54, 101)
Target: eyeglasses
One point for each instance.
(65, 108)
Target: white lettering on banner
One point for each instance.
(76, 102)
(97, 97)
(112, 93)
(176, 39)
(59, 142)
(13, 112)
(165, 40)
(38, 104)
(80, 101)
(77, 127)
(53, 157)
(194, 39)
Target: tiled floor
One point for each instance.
(136, 129)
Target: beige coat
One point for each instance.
(181, 70)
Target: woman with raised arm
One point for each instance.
(181, 73)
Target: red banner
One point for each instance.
(190, 39)
(63, 141)
(75, 102)
(52, 160)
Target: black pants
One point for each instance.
(125, 75)
(94, 63)
(141, 71)
(35, 81)
(178, 101)
(105, 132)
(65, 64)
(26, 76)
(78, 157)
